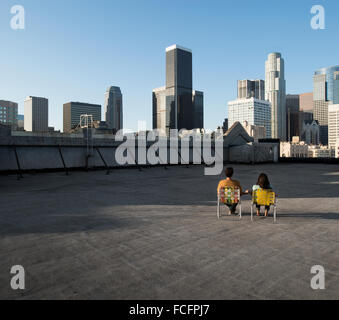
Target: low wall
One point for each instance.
(310, 160)
(25, 153)
(254, 153)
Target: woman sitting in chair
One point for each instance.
(262, 184)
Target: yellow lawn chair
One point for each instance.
(263, 197)
(229, 195)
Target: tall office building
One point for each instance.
(333, 125)
(253, 111)
(114, 108)
(73, 111)
(324, 93)
(293, 102)
(330, 73)
(251, 89)
(8, 113)
(179, 81)
(336, 88)
(292, 117)
(299, 110)
(36, 114)
(198, 111)
(159, 98)
(275, 92)
(306, 102)
(174, 105)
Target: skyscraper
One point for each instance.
(159, 98)
(251, 89)
(198, 109)
(179, 82)
(306, 102)
(324, 93)
(174, 105)
(330, 74)
(73, 111)
(36, 114)
(321, 105)
(292, 109)
(299, 110)
(336, 88)
(114, 108)
(275, 92)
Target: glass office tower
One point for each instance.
(114, 108)
(177, 105)
(324, 93)
(336, 88)
(198, 105)
(329, 73)
(179, 81)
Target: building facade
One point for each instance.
(336, 88)
(73, 111)
(299, 109)
(333, 125)
(253, 111)
(275, 92)
(336, 150)
(36, 114)
(294, 149)
(292, 120)
(254, 131)
(310, 132)
(21, 122)
(114, 108)
(293, 102)
(174, 105)
(321, 152)
(9, 113)
(198, 109)
(324, 93)
(179, 81)
(306, 102)
(159, 99)
(251, 89)
(321, 105)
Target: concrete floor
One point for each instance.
(154, 235)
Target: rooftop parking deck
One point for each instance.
(154, 234)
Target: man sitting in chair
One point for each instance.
(229, 182)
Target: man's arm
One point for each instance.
(243, 192)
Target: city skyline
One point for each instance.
(216, 69)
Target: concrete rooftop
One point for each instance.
(154, 235)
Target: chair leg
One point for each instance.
(240, 209)
(218, 210)
(252, 213)
(275, 214)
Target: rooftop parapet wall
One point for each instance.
(31, 151)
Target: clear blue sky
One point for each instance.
(72, 50)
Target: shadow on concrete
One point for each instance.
(128, 199)
(63, 224)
